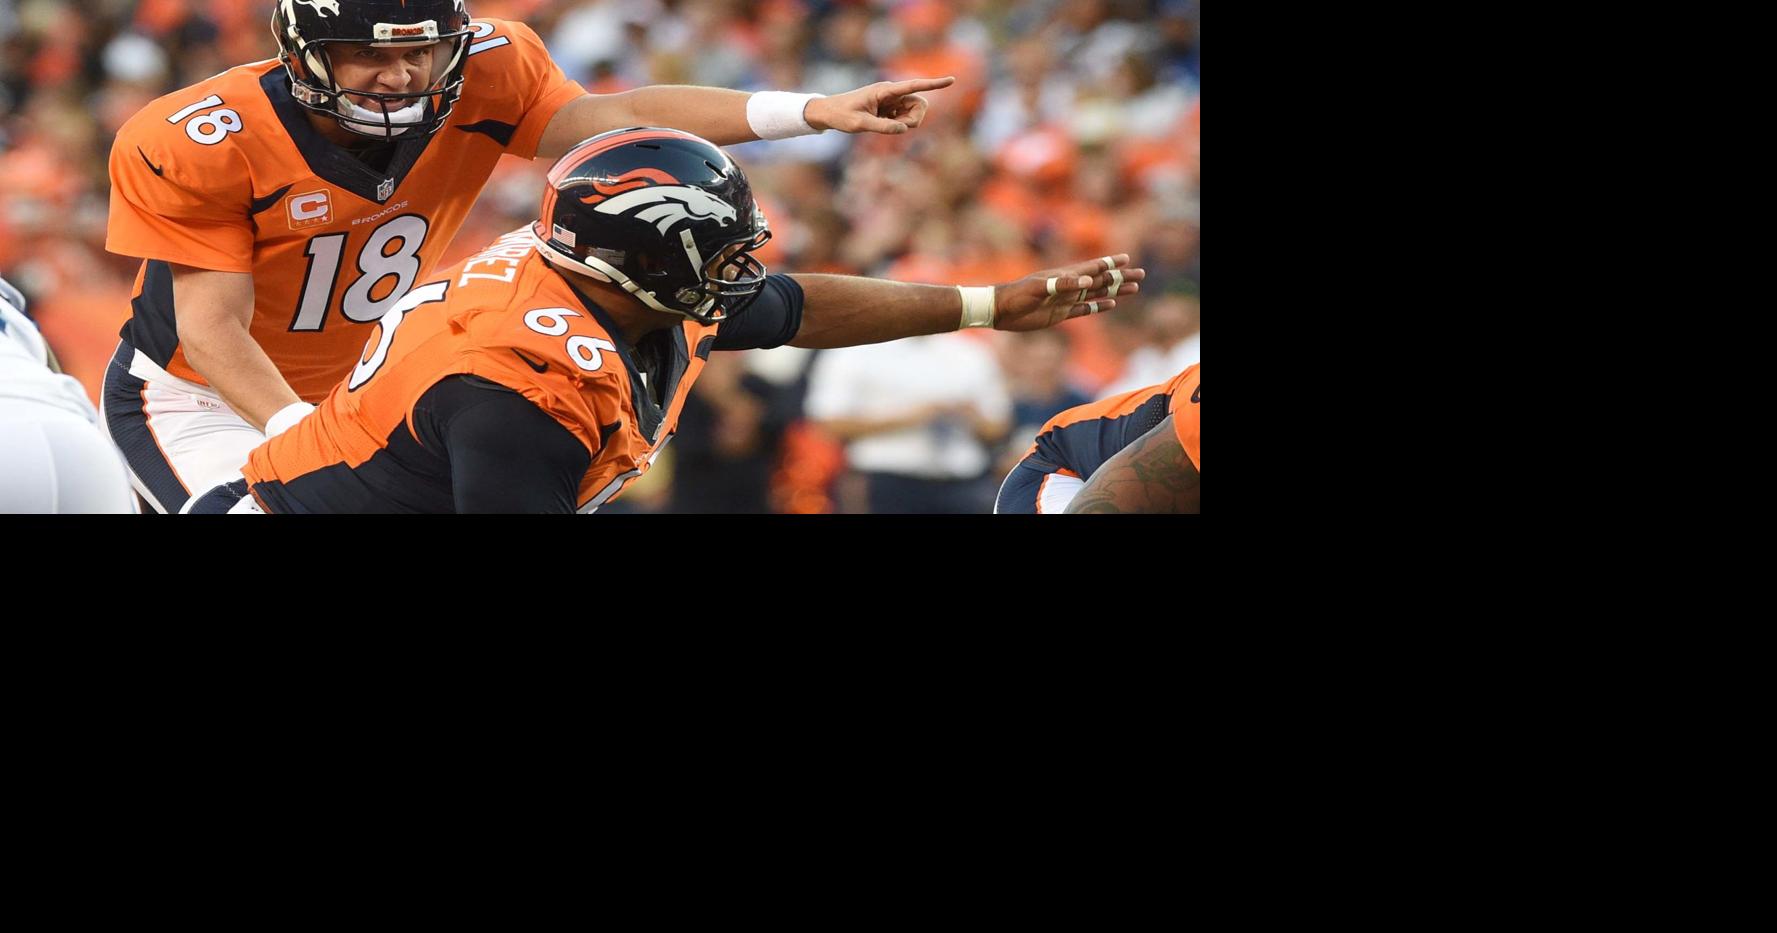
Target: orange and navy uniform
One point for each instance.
(1078, 441)
(229, 175)
(503, 322)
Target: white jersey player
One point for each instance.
(53, 457)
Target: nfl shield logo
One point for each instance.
(385, 189)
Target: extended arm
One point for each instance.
(721, 116)
(846, 311)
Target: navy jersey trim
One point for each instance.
(1023, 487)
(1084, 446)
(152, 328)
(219, 499)
(159, 171)
(649, 416)
(127, 423)
(260, 204)
(676, 367)
(401, 478)
(493, 129)
(505, 454)
(772, 320)
(331, 162)
(474, 445)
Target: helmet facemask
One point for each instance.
(732, 278)
(314, 85)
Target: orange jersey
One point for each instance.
(1187, 413)
(1078, 441)
(230, 175)
(506, 316)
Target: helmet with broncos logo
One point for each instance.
(662, 213)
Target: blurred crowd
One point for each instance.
(1072, 132)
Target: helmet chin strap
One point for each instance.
(400, 121)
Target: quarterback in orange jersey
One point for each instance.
(549, 371)
(283, 207)
(1136, 452)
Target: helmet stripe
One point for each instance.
(595, 146)
(628, 181)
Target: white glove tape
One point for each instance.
(778, 114)
(978, 305)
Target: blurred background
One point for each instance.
(1073, 131)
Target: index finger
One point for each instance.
(915, 85)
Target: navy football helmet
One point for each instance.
(664, 214)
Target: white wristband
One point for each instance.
(778, 114)
(286, 416)
(977, 306)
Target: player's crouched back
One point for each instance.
(548, 372)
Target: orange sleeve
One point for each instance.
(1187, 416)
(535, 83)
(499, 345)
(578, 404)
(180, 203)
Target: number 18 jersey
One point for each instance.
(230, 175)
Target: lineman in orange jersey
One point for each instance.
(282, 207)
(548, 372)
(1139, 451)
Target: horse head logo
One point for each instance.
(322, 7)
(667, 205)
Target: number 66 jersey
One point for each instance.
(498, 388)
(229, 175)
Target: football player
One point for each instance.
(53, 458)
(548, 372)
(1139, 451)
(283, 207)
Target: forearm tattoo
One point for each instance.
(1153, 474)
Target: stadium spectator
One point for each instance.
(1171, 340)
(921, 419)
(1035, 365)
